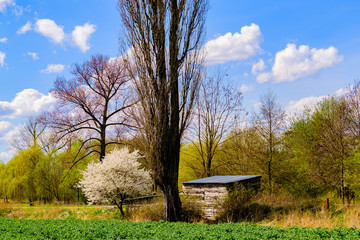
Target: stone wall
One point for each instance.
(208, 195)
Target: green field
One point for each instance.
(100, 229)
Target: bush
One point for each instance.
(191, 211)
(239, 206)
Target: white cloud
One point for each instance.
(18, 11)
(258, 67)
(257, 105)
(8, 151)
(34, 55)
(53, 68)
(245, 88)
(26, 103)
(294, 107)
(2, 58)
(342, 91)
(81, 35)
(6, 3)
(8, 154)
(237, 46)
(50, 29)
(4, 126)
(263, 77)
(3, 40)
(293, 63)
(27, 27)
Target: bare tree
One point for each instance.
(269, 123)
(164, 38)
(216, 113)
(91, 103)
(31, 134)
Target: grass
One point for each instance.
(52, 211)
(284, 216)
(340, 217)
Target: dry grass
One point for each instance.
(288, 212)
(341, 217)
(20, 210)
(291, 213)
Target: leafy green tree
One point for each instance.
(323, 139)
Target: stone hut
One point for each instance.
(210, 191)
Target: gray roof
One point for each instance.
(223, 179)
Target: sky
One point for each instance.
(301, 50)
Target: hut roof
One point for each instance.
(223, 179)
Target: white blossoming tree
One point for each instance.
(118, 177)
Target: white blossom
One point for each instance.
(119, 176)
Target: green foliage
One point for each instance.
(97, 229)
(35, 175)
(321, 146)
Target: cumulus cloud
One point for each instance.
(245, 88)
(34, 55)
(299, 106)
(7, 155)
(294, 107)
(7, 151)
(26, 103)
(50, 29)
(53, 68)
(293, 63)
(263, 77)
(27, 27)
(2, 58)
(258, 67)
(3, 40)
(81, 35)
(237, 46)
(6, 3)
(4, 126)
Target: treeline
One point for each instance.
(35, 175)
(307, 155)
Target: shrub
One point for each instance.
(238, 206)
(191, 211)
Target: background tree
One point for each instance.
(323, 138)
(31, 134)
(91, 104)
(243, 152)
(164, 39)
(118, 177)
(269, 123)
(216, 112)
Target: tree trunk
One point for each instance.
(120, 206)
(172, 203)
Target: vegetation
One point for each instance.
(97, 229)
(115, 179)
(156, 99)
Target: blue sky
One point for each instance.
(301, 50)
